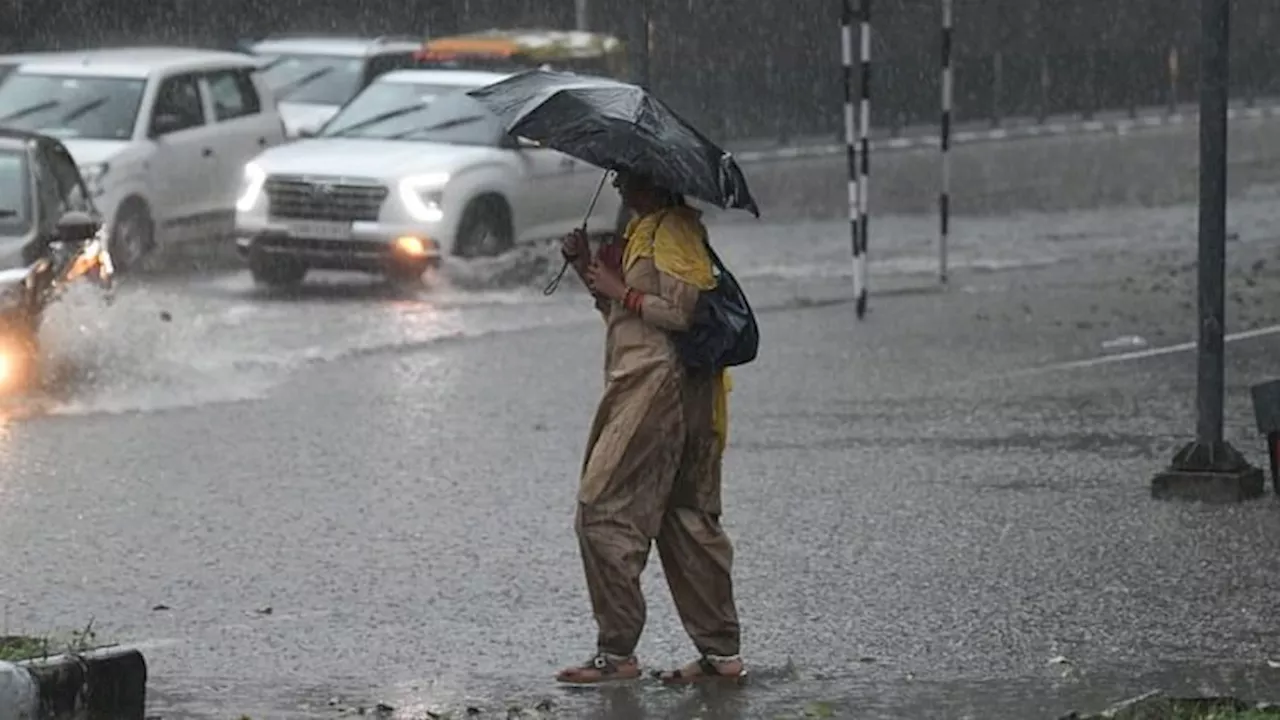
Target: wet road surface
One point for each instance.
(927, 511)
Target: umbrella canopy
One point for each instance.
(617, 126)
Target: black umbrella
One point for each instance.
(617, 126)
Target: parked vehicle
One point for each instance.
(512, 50)
(411, 170)
(50, 236)
(314, 75)
(161, 135)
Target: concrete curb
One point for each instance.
(1116, 126)
(18, 698)
(108, 684)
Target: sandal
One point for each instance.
(707, 667)
(601, 668)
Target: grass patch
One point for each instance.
(20, 647)
(15, 648)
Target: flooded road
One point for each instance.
(299, 505)
(189, 339)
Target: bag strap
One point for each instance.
(706, 241)
(715, 259)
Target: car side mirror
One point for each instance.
(75, 226)
(165, 123)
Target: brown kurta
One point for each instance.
(652, 472)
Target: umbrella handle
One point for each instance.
(555, 281)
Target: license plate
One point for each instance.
(318, 230)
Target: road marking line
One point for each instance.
(1140, 354)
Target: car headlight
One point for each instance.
(250, 187)
(423, 194)
(94, 175)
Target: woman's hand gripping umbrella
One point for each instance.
(618, 127)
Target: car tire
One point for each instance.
(133, 236)
(485, 229)
(276, 272)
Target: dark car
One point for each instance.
(49, 235)
(39, 185)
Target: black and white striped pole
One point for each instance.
(944, 143)
(850, 134)
(864, 151)
(857, 137)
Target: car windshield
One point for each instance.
(314, 79)
(15, 189)
(67, 106)
(416, 111)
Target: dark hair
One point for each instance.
(667, 197)
(671, 198)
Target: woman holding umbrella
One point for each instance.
(652, 466)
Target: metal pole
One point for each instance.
(1209, 468)
(864, 158)
(1042, 49)
(997, 88)
(944, 142)
(580, 14)
(1214, 98)
(847, 15)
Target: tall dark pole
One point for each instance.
(1214, 96)
(1209, 468)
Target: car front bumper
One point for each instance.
(361, 246)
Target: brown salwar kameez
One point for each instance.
(652, 465)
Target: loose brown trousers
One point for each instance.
(652, 473)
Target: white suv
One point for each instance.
(161, 135)
(410, 170)
(314, 75)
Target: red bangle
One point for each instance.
(633, 300)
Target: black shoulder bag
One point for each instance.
(723, 332)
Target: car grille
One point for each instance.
(319, 199)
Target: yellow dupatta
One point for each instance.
(673, 239)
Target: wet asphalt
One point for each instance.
(299, 506)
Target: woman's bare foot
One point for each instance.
(708, 667)
(601, 668)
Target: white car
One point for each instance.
(161, 135)
(314, 75)
(410, 170)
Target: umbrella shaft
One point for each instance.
(594, 198)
